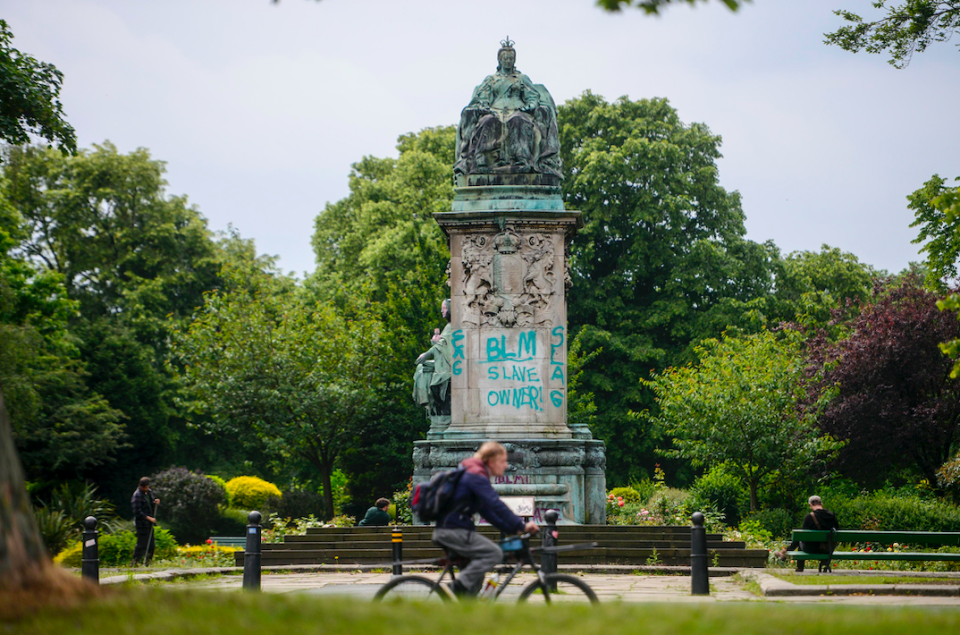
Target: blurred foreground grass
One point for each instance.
(138, 611)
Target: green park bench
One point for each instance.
(230, 541)
(834, 537)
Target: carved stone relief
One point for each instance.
(508, 279)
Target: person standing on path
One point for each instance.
(377, 516)
(474, 494)
(143, 502)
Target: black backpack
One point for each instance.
(434, 499)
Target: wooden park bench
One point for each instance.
(834, 537)
(230, 541)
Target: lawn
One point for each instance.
(148, 611)
(863, 579)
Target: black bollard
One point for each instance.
(90, 563)
(397, 539)
(251, 556)
(548, 561)
(699, 578)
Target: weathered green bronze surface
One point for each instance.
(505, 349)
(508, 131)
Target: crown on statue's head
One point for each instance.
(507, 43)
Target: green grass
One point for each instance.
(863, 579)
(156, 611)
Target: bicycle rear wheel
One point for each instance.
(411, 588)
(570, 588)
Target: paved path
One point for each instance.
(627, 588)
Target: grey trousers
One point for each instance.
(484, 554)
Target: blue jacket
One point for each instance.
(474, 495)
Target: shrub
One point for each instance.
(78, 502)
(55, 528)
(777, 522)
(645, 488)
(343, 521)
(400, 502)
(190, 501)
(886, 511)
(223, 485)
(628, 494)
(117, 549)
(61, 521)
(722, 491)
(231, 522)
(250, 492)
(296, 503)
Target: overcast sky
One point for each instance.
(259, 109)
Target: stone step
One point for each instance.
(565, 536)
(628, 529)
(725, 557)
(313, 545)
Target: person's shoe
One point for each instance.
(457, 590)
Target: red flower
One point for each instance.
(209, 541)
(620, 503)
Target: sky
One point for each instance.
(259, 109)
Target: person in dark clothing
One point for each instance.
(377, 516)
(818, 518)
(475, 494)
(143, 502)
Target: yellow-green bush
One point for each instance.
(250, 492)
(628, 494)
(117, 549)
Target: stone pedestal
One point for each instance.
(508, 280)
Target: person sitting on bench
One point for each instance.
(818, 518)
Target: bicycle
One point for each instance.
(547, 585)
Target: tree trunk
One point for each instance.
(28, 580)
(753, 494)
(22, 554)
(325, 472)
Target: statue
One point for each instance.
(431, 383)
(509, 128)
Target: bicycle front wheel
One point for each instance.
(411, 588)
(569, 588)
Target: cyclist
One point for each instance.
(474, 494)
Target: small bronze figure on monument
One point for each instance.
(431, 383)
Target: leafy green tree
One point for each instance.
(661, 262)
(739, 405)
(304, 380)
(654, 6)
(30, 98)
(381, 244)
(28, 101)
(818, 288)
(134, 261)
(937, 214)
(905, 28)
(60, 427)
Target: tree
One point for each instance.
(661, 262)
(936, 209)
(28, 102)
(739, 405)
(381, 244)
(905, 29)
(820, 290)
(134, 261)
(654, 6)
(303, 379)
(30, 98)
(896, 405)
(60, 427)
